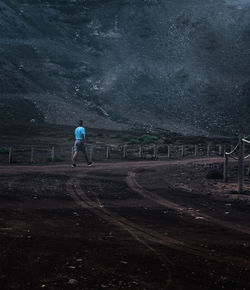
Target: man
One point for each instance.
(80, 144)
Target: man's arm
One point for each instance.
(83, 135)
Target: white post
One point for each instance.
(248, 169)
(155, 151)
(52, 153)
(220, 150)
(107, 153)
(140, 151)
(124, 151)
(10, 154)
(32, 155)
(182, 151)
(208, 150)
(225, 173)
(240, 165)
(195, 150)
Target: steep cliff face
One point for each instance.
(180, 65)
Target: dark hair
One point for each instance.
(80, 123)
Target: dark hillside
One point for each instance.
(119, 64)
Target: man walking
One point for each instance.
(80, 144)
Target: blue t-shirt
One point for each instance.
(78, 133)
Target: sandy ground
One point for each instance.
(125, 225)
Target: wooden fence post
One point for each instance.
(155, 151)
(248, 169)
(169, 151)
(220, 150)
(195, 150)
(140, 151)
(10, 154)
(225, 173)
(182, 150)
(208, 150)
(52, 153)
(32, 155)
(107, 153)
(124, 151)
(240, 165)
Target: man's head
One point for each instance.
(80, 123)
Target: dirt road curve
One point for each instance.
(127, 225)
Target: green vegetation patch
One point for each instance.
(4, 150)
(143, 139)
(147, 139)
(133, 141)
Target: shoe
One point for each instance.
(73, 165)
(90, 163)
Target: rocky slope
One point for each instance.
(180, 65)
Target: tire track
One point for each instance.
(135, 186)
(147, 236)
(81, 199)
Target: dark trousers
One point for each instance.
(80, 146)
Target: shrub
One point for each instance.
(4, 150)
(147, 139)
(144, 139)
(134, 141)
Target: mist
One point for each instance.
(179, 65)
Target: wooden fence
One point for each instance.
(239, 153)
(99, 152)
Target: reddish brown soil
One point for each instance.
(127, 225)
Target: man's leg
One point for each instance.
(86, 154)
(74, 158)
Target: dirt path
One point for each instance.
(140, 235)
(131, 181)
(105, 228)
(144, 235)
(60, 168)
